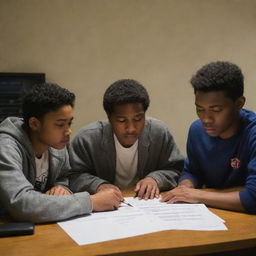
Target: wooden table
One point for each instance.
(51, 240)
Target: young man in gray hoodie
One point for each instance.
(34, 161)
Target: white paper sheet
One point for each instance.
(181, 216)
(146, 216)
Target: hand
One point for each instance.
(106, 200)
(58, 191)
(182, 194)
(147, 188)
(107, 187)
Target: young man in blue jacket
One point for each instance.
(221, 146)
(34, 162)
(127, 150)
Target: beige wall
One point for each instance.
(85, 45)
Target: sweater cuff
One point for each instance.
(248, 201)
(85, 201)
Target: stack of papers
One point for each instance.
(146, 216)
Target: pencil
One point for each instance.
(124, 202)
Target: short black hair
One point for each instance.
(125, 91)
(44, 98)
(219, 76)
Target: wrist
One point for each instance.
(187, 183)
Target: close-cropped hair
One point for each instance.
(219, 76)
(123, 92)
(44, 98)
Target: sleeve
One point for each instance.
(83, 176)
(170, 162)
(248, 194)
(191, 165)
(62, 176)
(23, 203)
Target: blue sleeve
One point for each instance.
(192, 166)
(248, 195)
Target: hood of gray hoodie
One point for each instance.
(12, 127)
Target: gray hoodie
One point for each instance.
(17, 179)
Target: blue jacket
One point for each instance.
(93, 156)
(223, 163)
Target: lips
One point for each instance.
(210, 130)
(65, 141)
(130, 135)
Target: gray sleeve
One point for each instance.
(62, 178)
(170, 163)
(83, 176)
(23, 203)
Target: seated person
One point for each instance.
(221, 146)
(126, 150)
(34, 162)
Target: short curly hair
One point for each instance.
(44, 98)
(219, 76)
(125, 91)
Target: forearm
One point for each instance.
(85, 182)
(216, 199)
(40, 208)
(224, 200)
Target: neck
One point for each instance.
(38, 147)
(234, 129)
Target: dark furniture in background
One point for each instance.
(12, 88)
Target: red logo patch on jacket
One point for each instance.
(235, 163)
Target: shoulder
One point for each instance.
(155, 123)
(248, 118)
(95, 128)
(196, 127)
(155, 128)
(248, 125)
(93, 133)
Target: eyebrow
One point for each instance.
(64, 120)
(137, 114)
(212, 106)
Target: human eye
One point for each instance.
(120, 120)
(217, 109)
(199, 110)
(59, 124)
(138, 118)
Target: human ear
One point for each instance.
(240, 102)
(34, 123)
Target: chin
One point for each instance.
(127, 145)
(59, 147)
(213, 134)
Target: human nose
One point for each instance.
(68, 131)
(206, 117)
(130, 127)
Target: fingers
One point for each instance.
(137, 188)
(58, 191)
(50, 191)
(107, 187)
(154, 193)
(107, 200)
(167, 197)
(148, 192)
